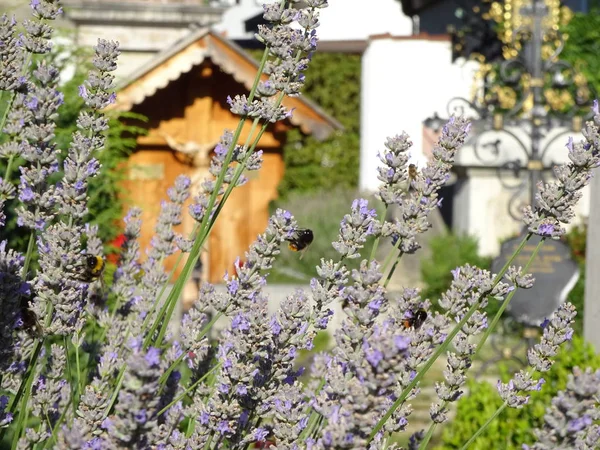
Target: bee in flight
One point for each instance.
(93, 266)
(416, 320)
(300, 240)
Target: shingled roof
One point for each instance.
(190, 52)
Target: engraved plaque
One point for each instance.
(555, 275)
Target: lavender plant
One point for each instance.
(109, 368)
(569, 421)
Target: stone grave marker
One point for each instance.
(555, 274)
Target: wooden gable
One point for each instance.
(183, 93)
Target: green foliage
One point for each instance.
(577, 238)
(583, 45)
(514, 426)
(321, 212)
(333, 83)
(311, 165)
(448, 251)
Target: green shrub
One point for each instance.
(513, 427)
(333, 83)
(447, 252)
(576, 239)
(583, 44)
(311, 165)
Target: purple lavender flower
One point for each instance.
(247, 281)
(12, 289)
(135, 414)
(80, 163)
(37, 196)
(239, 153)
(556, 332)
(518, 278)
(470, 286)
(372, 362)
(162, 245)
(38, 32)
(569, 421)
(422, 197)
(555, 201)
(51, 393)
(394, 172)
(354, 230)
(251, 350)
(12, 56)
(5, 417)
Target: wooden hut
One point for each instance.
(183, 92)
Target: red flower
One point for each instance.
(113, 256)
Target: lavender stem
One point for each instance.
(509, 297)
(484, 426)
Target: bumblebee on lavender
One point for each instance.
(300, 239)
(29, 322)
(417, 319)
(92, 268)
(412, 172)
(412, 175)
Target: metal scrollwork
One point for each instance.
(491, 148)
(463, 107)
(512, 71)
(530, 90)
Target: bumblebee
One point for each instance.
(416, 320)
(412, 175)
(29, 322)
(300, 240)
(93, 266)
(412, 172)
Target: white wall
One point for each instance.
(404, 81)
(341, 20)
(357, 20)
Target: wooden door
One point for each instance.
(150, 173)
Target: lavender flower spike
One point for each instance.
(60, 244)
(12, 286)
(12, 56)
(414, 208)
(556, 331)
(469, 284)
(569, 422)
(135, 413)
(355, 228)
(247, 282)
(555, 201)
(38, 32)
(37, 196)
(394, 172)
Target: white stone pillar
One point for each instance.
(591, 319)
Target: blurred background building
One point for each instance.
(178, 54)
